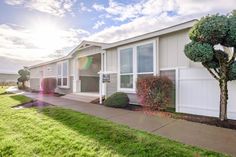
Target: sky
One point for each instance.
(33, 31)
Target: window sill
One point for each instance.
(127, 91)
(63, 87)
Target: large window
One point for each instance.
(135, 61)
(145, 60)
(62, 74)
(126, 68)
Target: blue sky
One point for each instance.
(33, 31)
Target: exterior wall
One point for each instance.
(199, 93)
(111, 87)
(8, 77)
(171, 48)
(111, 58)
(34, 84)
(89, 51)
(50, 70)
(35, 72)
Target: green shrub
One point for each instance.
(155, 91)
(118, 100)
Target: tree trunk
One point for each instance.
(23, 84)
(223, 99)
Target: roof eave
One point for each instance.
(178, 27)
(49, 62)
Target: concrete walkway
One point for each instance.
(196, 134)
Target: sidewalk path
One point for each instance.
(191, 133)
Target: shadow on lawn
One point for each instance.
(21, 99)
(126, 142)
(5, 93)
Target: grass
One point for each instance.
(54, 131)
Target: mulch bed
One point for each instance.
(33, 103)
(231, 124)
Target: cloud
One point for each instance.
(98, 24)
(53, 7)
(121, 12)
(84, 8)
(136, 27)
(32, 44)
(98, 7)
(151, 15)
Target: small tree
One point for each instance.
(208, 34)
(24, 76)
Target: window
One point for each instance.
(135, 61)
(126, 68)
(65, 79)
(145, 58)
(62, 74)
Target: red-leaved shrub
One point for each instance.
(154, 91)
(48, 85)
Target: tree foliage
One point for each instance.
(210, 29)
(24, 76)
(199, 52)
(232, 73)
(214, 45)
(206, 34)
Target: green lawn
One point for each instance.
(54, 131)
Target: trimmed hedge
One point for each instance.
(48, 85)
(118, 100)
(155, 91)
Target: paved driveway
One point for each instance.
(196, 134)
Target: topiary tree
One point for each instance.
(24, 76)
(207, 35)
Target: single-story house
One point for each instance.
(96, 69)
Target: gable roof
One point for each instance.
(178, 27)
(83, 45)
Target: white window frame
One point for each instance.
(135, 66)
(61, 76)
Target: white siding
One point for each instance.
(50, 70)
(89, 51)
(198, 93)
(111, 58)
(35, 72)
(171, 48)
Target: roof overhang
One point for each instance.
(160, 32)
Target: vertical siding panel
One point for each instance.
(199, 93)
